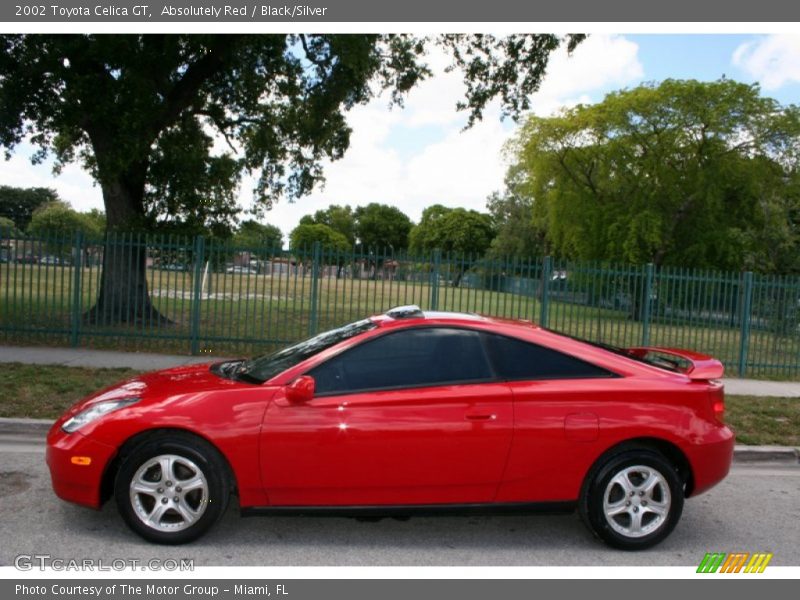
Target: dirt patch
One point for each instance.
(13, 482)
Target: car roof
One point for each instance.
(411, 314)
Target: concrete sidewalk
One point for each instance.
(104, 359)
(146, 361)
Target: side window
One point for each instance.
(515, 359)
(408, 358)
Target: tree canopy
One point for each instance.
(18, 204)
(516, 232)
(169, 124)
(338, 218)
(252, 234)
(382, 227)
(59, 219)
(7, 227)
(683, 172)
(452, 230)
(304, 236)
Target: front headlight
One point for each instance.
(94, 412)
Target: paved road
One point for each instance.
(756, 509)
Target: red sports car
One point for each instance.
(405, 413)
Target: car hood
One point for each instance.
(158, 386)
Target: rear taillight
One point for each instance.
(717, 399)
(719, 409)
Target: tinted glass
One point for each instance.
(410, 358)
(514, 359)
(266, 367)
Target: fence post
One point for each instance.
(647, 305)
(744, 333)
(76, 290)
(197, 292)
(437, 263)
(547, 274)
(313, 321)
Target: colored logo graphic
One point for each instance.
(735, 562)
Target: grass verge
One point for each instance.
(763, 420)
(44, 392)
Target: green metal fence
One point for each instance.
(221, 299)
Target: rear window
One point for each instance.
(515, 359)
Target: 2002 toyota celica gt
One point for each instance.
(404, 413)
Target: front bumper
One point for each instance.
(72, 480)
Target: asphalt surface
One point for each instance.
(757, 508)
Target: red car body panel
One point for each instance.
(446, 444)
(496, 442)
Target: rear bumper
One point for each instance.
(710, 460)
(72, 481)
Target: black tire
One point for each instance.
(620, 531)
(205, 504)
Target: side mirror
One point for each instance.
(301, 390)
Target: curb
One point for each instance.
(25, 426)
(751, 454)
(741, 453)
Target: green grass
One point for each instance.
(763, 420)
(44, 392)
(248, 314)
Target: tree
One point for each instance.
(95, 222)
(8, 228)
(380, 227)
(338, 218)
(466, 234)
(137, 111)
(58, 219)
(18, 204)
(252, 234)
(516, 232)
(452, 230)
(57, 223)
(303, 237)
(681, 173)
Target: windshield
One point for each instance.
(265, 367)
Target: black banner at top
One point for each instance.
(365, 11)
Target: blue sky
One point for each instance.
(417, 156)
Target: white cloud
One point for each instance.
(773, 60)
(447, 165)
(73, 184)
(461, 168)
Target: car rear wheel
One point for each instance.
(170, 490)
(633, 500)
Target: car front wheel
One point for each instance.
(633, 501)
(170, 490)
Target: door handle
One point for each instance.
(480, 417)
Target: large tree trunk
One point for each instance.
(123, 295)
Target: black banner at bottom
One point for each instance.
(383, 589)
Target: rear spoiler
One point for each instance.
(700, 366)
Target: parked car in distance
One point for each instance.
(50, 260)
(174, 267)
(28, 259)
(405, 413)
(236, 269)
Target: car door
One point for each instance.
(408, 417)
(557, 406)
